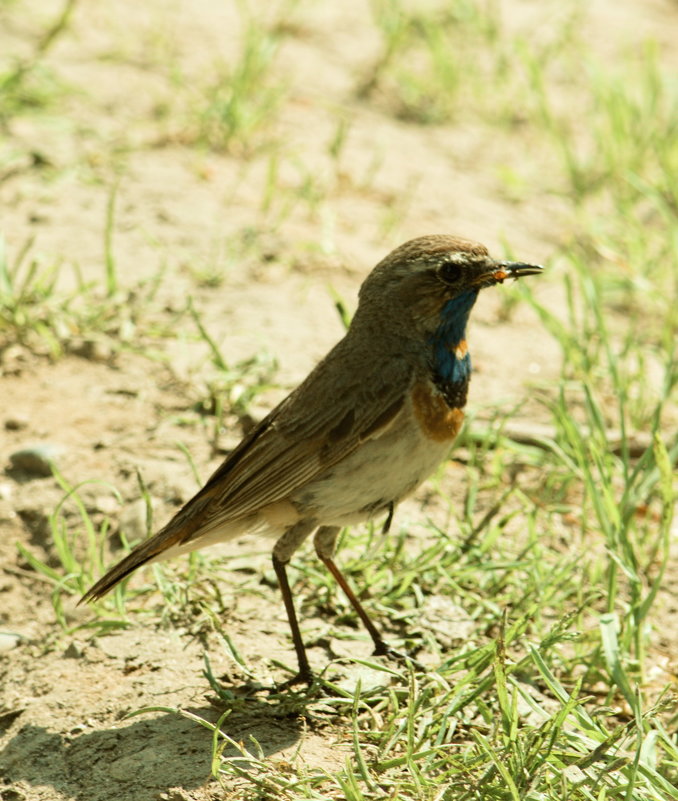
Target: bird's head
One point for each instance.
(421, 279)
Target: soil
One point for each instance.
(110, 412)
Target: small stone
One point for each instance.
(16, 423)
(106, 504)
(37, 460)
(174, 794)
(12, 794)
(74, 651)
(134, 519)
(77, 730)
(13, 356)
(36, 520)
(8, 641)
(94, 350)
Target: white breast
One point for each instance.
(379, 471)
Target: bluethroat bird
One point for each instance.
(366, 427)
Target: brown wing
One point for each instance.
(320, 423)
(343, 402)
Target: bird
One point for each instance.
(366, 427)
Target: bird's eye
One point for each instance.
(448, 272)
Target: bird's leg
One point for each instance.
(389, 519)
(305, 673)
(282, 553)
(324, 541)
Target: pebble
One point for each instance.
(12, 794)
(13, 359)
(94, 350)
(133, 518)
(105, 504)
(36, 520)
(8, 641)
(74, 651)
(16, 423)
(37, 460)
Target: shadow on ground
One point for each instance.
(139, 760)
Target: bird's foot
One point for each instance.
(302, 677)
(382, 648)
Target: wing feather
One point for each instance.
(292, 446)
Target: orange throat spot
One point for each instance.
(460, 349)
(438, 421)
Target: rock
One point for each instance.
(8, 641)
(14, 359)
(75, 650)
(37, 460)
(133, 518)
(94, 350)
(175, 794)
(12, 794)
(16, 423)
(36, 520)
(106, 504)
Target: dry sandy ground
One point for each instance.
(63, 698)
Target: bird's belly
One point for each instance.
(379, 471)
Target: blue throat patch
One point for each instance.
(450, 369)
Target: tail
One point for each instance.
(180, 535)
(141, 555)
(185, 532)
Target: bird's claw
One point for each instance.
(383, 649)
(302, 677)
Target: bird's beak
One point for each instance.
(507, 269)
